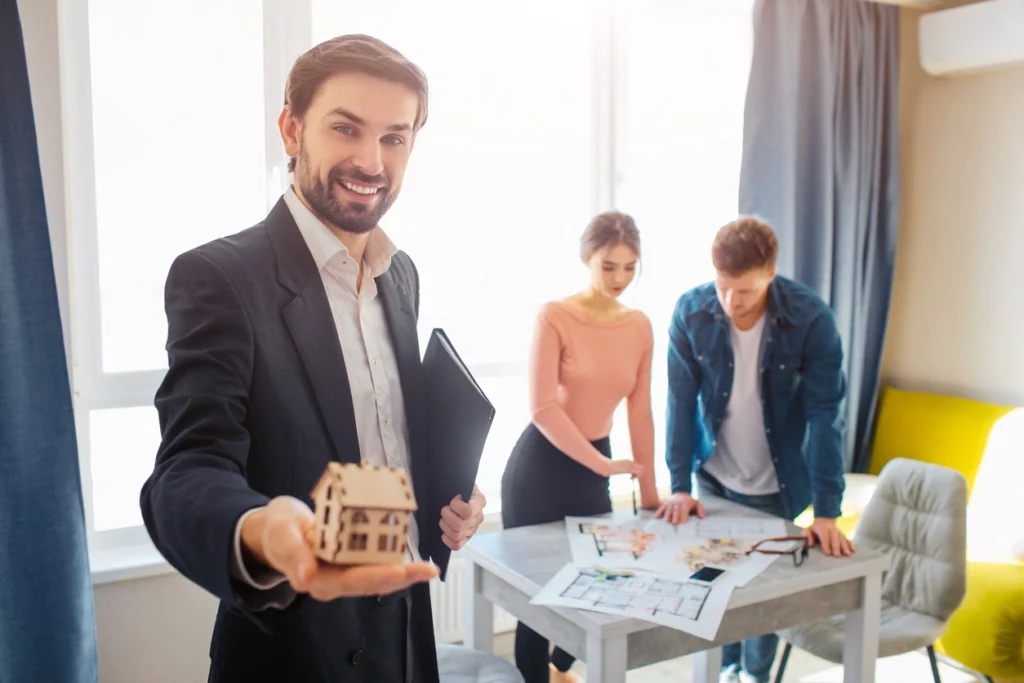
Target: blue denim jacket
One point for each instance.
(802, 389)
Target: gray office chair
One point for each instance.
(458, 664)
(918, 517)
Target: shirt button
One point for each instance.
(767, 431)
(725, 393)
(730, 365)
(782, 367)
(357, 657)
(782, 485)
(700, 357)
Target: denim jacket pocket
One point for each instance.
(784, 374)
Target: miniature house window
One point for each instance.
(390, 519)
(357, 542)
(387, 543)
(360, 517)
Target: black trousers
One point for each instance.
(542, 484)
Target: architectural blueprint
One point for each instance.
(691, 606)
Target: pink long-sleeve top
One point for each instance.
(580, 369)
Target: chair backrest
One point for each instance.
(918, 517)
(944, 430)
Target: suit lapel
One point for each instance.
(311, 325)
(402, 325)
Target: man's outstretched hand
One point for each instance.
(279, 536)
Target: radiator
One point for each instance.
(446, 601)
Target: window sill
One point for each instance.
(127, 563)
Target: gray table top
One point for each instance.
(528, 557)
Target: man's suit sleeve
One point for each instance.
(198, 489)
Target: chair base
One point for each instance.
(932, 659)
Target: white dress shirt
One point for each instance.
(370, 363)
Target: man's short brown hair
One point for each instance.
(745, 244)
(355, 53)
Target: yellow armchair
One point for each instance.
(985, 443)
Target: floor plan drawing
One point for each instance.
(614, 539)
(685, 604)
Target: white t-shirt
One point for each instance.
(742, 460)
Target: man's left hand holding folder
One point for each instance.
(460, 520)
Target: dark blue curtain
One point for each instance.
(821, 164)
(47, 628)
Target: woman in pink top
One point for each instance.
(589, 352)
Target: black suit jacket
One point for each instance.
(255, 404)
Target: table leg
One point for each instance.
(707, 665)
(861, 649)
(477, 611)
(606, 659)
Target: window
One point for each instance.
(357, 542)
(541, 114)
(387, 543)
(165, 116)
(360, 517)
(680, 146)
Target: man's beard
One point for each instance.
(353, 218)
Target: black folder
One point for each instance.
(459, 417)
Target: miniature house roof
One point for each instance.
(369, 487)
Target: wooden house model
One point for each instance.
(362, 514)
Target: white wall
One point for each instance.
(155, 630)
(957, 322)
(158, 629)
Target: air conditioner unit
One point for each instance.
(986, 35)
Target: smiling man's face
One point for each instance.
(351, 149)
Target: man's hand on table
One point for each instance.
(678, 508)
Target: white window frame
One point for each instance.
(128, 552)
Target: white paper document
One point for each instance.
(691, 606)
(747, 528)
(673, 551)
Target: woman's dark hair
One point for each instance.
(607, 230)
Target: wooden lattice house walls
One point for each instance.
(362, 514)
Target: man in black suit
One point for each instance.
(293, 344)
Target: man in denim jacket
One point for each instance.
(755, 387)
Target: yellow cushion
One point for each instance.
(943, 430)
(986, 633)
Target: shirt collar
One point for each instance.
(324, 245)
